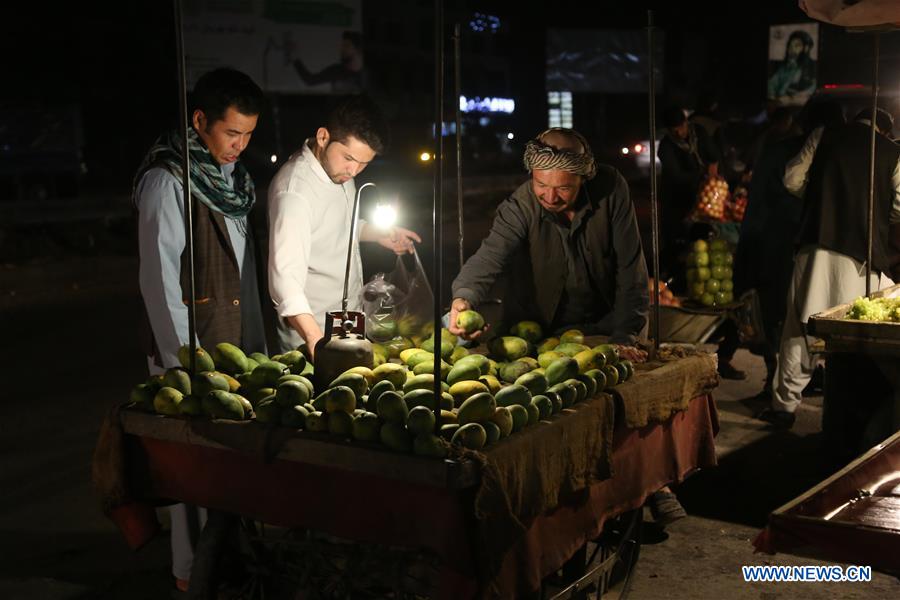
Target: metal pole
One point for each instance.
(345, 300)
(438, 206)
(186, 185)
(871, 214)
(458, 93)
(654, 201)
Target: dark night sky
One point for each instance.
(118, 64)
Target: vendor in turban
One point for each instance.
(567, 242)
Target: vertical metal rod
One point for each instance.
(458, 92)
(353, 225)
(186, 184)
(438, 206)
(654, 202)
(870, 224)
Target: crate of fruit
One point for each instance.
(866, 324)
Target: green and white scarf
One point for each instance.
(207, 182)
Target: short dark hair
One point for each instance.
(359, 117)
(673, 116)
(220, 89)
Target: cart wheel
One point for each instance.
(602, 568)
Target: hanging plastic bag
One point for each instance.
(398, 304)
(711, 199)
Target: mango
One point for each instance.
(529, 331)
(396, 437)
(392, 408)
(294, 417)
(462, 390)
(178, 378)
(269, 411)
(561, 369)
(191, 406)
(220, 404)
(142, 396)
(574, 336)
(448, 416)
(340, 423)
(446, 347)
(414, 359)
(420, 421)
(536, 383)
(204, 383)
(547, 345)
(629, 368)
(251, 364)
(612, 376)
(304, 380)
(479, 407)
(567, 393)
(405, 355)
(519, 416)
(508, 347)
(367, 373)
(469, 321)
(471, 436)
(555, 401)
(492, 368)
(580, 389)
(230, 359)
(354, 381)
(424, 381)
(448, 430)
(317, 421)
(465, 372)
(546, 358)
(154, 383)
(248, 408)
(513, 394)
(491, 382)
(381, 330)
(571, 348)
(366, 427)
(291, 393)
(589, 359)
(166, 401)
(204, 361)
(259, 357)
(534, 414)
(379, 350)
(429, 445)
(599, 378)
(492, 431)
(427, 366)
(589, 382)
(458, 353)
(408, 325)
(392, 372)
(339, 399)
(233, 384)
(502, 418)
(610, 351)
(267, 374)
(544, 406)
(511, 371)
(379, 388)
(479, 360)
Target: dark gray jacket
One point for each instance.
(591, 274)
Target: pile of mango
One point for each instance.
(483, 399)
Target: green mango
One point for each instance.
(178, 378)
(230, 359)
(203, 359)
(528, 330)
(508, 347)
(471, 436)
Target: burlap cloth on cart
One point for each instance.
(531, 473)
(108, 468)
(660, 389)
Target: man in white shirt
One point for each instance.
(831, 175)
(310, 211)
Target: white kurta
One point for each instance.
(309, 232)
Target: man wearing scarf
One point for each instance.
(574, 225)
(227, 105)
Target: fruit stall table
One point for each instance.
(498, 521)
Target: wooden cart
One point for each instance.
(421, 509)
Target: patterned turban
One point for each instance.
(541, 156)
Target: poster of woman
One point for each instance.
(793, 55)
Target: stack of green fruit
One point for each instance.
(393, 404)
(709, 272)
